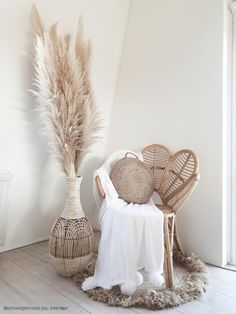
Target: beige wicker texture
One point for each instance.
(133, 180)
(70, 267)
(71, 245)
(175, 177)
(71, 240)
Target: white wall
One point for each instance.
(169, 91)
(36, 195)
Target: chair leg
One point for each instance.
(172, 228)
(177, 240)
(166, 271)
(168, 241)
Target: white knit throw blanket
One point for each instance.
(131, 235)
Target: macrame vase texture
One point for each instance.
(133, 180)
(71, 241)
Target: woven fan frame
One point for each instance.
(182, 166)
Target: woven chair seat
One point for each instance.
(167, 210)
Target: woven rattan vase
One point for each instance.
(71, 241)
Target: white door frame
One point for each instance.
(229, 117)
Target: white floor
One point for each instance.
(27, 279)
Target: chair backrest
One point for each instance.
(172, 173)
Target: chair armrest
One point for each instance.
(178, 198)
(99, 187)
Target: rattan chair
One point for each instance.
(175, 179)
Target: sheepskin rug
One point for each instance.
(190, 277)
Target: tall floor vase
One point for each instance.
(71, 241)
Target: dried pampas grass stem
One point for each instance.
(64, 94)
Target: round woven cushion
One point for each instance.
(133, 180)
